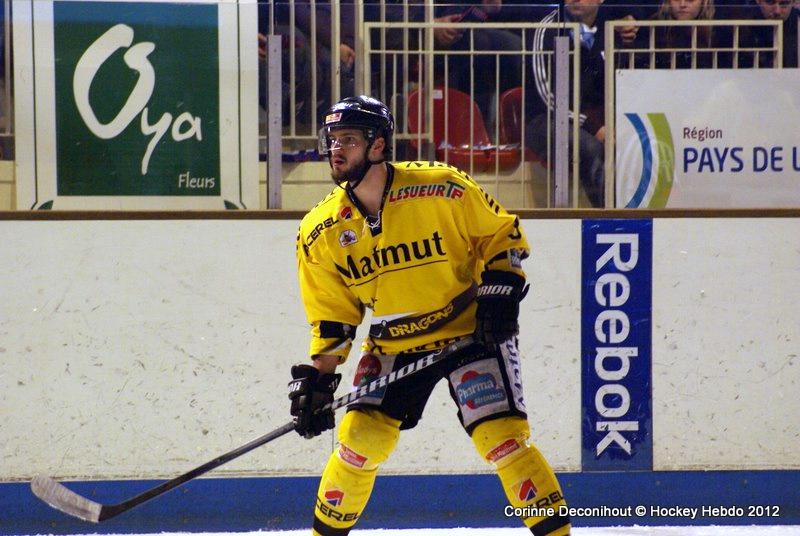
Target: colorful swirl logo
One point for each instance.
(661, 144)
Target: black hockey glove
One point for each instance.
(309, 391)
(498, 306)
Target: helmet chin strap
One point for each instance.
(355, 178)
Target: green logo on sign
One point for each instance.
(137, 99)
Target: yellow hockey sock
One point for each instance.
(366, 439)
(528, 481)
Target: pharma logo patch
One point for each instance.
(334, 497)
(478, 390)
(130, 118)
(658, 161)
(525, 490)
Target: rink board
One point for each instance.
(133, 351)
(443, 501)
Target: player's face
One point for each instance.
(347, 152)
(685, 9)
(776, 9)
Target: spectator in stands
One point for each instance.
(685, 38)
(389, 69)
(309, 74)
(780, 10)
(540, 98)
(621, 9)
(762, 36)
(396, 40)
(626, 10)
(477, 75)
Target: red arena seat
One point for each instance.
(453, 111)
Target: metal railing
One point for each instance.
(7, 108)
(372, 49)
(424, 71)
(412, 63)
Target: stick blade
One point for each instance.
(61, 498)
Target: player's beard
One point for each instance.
(352, 173)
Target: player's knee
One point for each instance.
(367, 438)
(501, 441)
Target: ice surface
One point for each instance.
(757, 530)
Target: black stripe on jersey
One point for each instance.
(336, 330)
(327, 530)
(549, 525)
(409, 326)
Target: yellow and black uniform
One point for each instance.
(417, 269)
(417, 266)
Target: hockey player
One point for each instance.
(437, 260)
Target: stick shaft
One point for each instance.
(60, 497)
(110, 511)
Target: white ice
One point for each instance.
(753, 530)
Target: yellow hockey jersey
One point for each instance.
(417, 267)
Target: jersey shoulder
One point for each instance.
(334, 208)
(416, 172)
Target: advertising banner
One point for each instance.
(616, 345)
(707, 138)
(134, 105)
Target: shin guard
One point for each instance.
(528, 481)
(366, 438)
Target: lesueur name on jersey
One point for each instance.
(450, 190)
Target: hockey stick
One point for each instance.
(62, 498)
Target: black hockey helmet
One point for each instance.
(369, 115)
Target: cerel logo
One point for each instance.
(525, 490)
(346, 213)
(616, 317)
(137, 99)
(334, 497)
